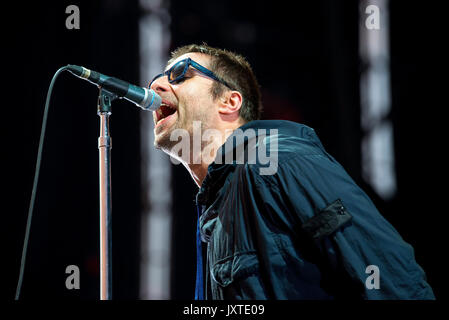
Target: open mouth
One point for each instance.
(164, 112)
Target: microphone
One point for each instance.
(144, 98)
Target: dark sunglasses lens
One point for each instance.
(177, 71)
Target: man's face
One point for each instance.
(191, 98)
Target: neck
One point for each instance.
(198, 172)
(198, 168)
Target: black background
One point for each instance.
(306, 58)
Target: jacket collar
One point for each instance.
(218, 171)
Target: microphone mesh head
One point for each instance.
(151, 102)
(156, 103)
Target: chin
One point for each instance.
(156, 144)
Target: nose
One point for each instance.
(161, 84)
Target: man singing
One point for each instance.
(281, 218)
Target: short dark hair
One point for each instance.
(235, 70)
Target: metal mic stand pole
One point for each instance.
(104, 147)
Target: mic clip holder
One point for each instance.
(105, 99)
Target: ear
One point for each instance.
(230, 103)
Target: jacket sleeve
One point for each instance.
(360, 252)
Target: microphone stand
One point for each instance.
(104, 147)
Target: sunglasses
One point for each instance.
(177, 72)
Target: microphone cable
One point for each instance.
(36, 178)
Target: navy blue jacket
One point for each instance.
(305, 230)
